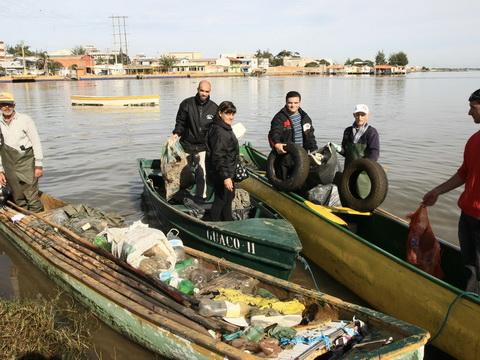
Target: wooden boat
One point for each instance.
(139, 100)
(140, 307)
(263, 242)
(368, 256)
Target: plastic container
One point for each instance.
(185, 267)
(186, 287)
(199, 277)
(103, 243)
(222, 308)
(176, 244)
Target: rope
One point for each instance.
(307, 267)
(450, 307)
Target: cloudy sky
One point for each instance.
(431, 33)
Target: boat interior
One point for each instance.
(379, 228)
(245, 206)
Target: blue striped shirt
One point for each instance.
(297, 128)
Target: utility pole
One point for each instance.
(119, 35)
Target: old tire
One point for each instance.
(378, 180)
(298, 173)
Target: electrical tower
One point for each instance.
(119, 36)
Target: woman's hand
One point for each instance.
(38, 171)
(228, 183)
(3, 179)
(280, 148)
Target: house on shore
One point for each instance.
(386, 69)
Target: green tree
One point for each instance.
(311, 64)
(100, 61)
(266, 54)
(348, 62)
(380, 58)
(78, 50)
(398, 59)
(17, 50)
(324, 62)
(54, 67)
(42, 61)
(167, 61)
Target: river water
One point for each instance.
(90, 153)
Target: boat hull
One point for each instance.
(254, 243)
(115, 100)
(385, 281)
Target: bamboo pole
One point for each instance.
(157, 319)
(168, 290)
(102, 268)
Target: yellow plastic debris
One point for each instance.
(290, 307)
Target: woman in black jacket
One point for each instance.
(222, 155)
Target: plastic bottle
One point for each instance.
(223, 308)
(176, 244)
(185, 267)
(186, 287)
(199, 277)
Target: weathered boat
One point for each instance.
(367, 254)
(139, 307)
(264, 241)
(137, 100)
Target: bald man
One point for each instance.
(194, 116)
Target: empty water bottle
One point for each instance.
(176, 244)
(199, 277)
(223, 308)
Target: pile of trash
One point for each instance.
(268, 326)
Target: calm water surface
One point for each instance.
(90, 153)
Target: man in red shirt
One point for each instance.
(469, 202)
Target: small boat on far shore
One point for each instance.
(136, 100)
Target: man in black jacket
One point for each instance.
(194, 116)
(291, 124)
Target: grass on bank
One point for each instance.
(44, 328)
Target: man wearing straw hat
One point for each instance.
(21, 155)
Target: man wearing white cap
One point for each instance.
(360, 140)
(21, 155)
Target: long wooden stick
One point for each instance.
(103, 267)
(168, 290)
(159, 320)
(71, 259)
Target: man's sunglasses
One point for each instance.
(7, 105)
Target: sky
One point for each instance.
(432, 33)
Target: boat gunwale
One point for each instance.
(300, 201)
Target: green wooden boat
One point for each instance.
(368, 256)
(264, 242)
(130, 302)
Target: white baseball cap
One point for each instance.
(361, 108)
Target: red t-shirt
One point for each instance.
(469, 201)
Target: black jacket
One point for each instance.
(281, 130)
(222, 151)
(193, 120)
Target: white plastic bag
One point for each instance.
(132, 243)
